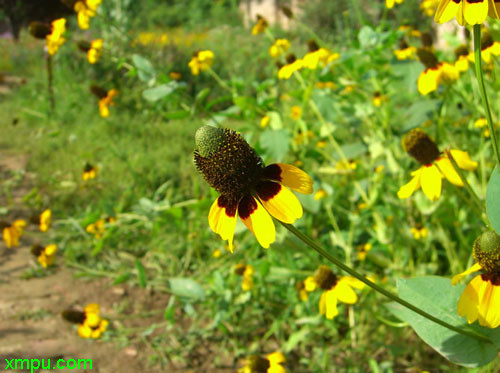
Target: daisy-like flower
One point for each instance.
(55, 39)
(90, 323)
(489, 48)
(389, 4)
(293, 65)
(260, 26)
(99, 226)
(89, 172)
(295, 112)
(463, 57)
(271, 363)
(471, 12)
(105, 99)
(334, 290)
(94, 51)
(45, 255)
(435, 71)
(435, 166)
(405, 51)
(378, 99)
(419, 231)
(246, 271)
(12, 232)
(86, 9)
(279, 48)
(481, 297)
(201, 61)
(247, 188)
(362, 251)
(45, 220)
(320, 194)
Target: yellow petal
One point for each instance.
(257, 219)
(345, 293)
(276, 358)
(468, 302)
(50, 249)
(91, 308)
(489, 306)
(428, 80)
(447, 9)
(290, 176)
(353, 282)
(457, 278)
(414, 184)
(475, 11)
(279, 201)
(84, 331)
(446, 168)
(431, 182)
(331, 304)
(463, 160)
(310, 284)
(222, 221)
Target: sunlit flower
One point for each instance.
(279, 47)
(271, 363)
(334, 290)
(295, 112)
(90, 323)
(428, 7)
(481, 297)
(12, 232)
(434, 73)
(482, 123)
(463, 57)
(55, 39)
(362, 251)
(216, 253)
(378, 99)
(95, 51)
(99, 226)
(435, 166)
(260, 26)
(405, 51)
(105, 99)
(320, 194)
(45, 220)
(89, 172)
(246, 271)
(201, 61)
(293, 65)
(315, 56)
(419, 231)
(247, 188)
(471, 12)
(489, 48)
(86, 9)
(45, 255)
(346, 166)
(389, 4)
(264, 121)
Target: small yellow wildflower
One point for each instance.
(270, 363)
(296, 112)
(482, 123)
(264, 121)
(55, 39)
(389, 4)
(45, 220)
(320, 194)
(174, 75)
(44, 255)
(86, 9)
(12, 232)
(95, 51)
(419, 231)
(201, 61)
(246, 271)
(293, 65)
(362, 251)
(89, 172)
(216, 253)
(90, 323)
(279, 48)
(260, 26)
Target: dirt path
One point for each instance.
(30, 323)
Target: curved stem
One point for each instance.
(313, 245)
(482, 89)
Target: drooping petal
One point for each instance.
(345, 293)
(290, 176)
(469, 300)
(222, 220)
(50, 250)
(310, 284)
(414, 184)
(279, 201)
(463, 160)
(428, 80)
(353, 282)
(276, 358)
(475, 11)
(431, 182)
(489, 306)
(447, 9)
(330, 302)
(446, 168)
(257, 219)
(457, 278)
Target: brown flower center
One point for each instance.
(487, 254)
(420, 146)
(258, 364)
(325, 278)
(428, 58)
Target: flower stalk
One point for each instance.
(482, 89)
(313, 245)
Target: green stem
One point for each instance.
(313, 245)
(50, 87)
(482, 89)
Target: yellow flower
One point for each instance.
(320, 194)
(434, 166)
(312, 59)
(419, 231)
(12, 232)
(44, 255)
(247, 188)
(90, 323)
(216, 254)
(296, 112)
(389, 4)
(428, 7)
(107, 101)
(293, 65)
(435, 71)
(481, 297)
(378, 99)
(362, 250)
(489, 48)
(247, 272)
(482, 123)
(347, 89)
(89, 172)
(271, 363)
(379, 168)
(405, 52)
(260, 26)
(334, 290)
(55, 39)
(346, 166)
(86, 9)
(463, 57)
(279, 47)
(45, 220)
(471, 12)
(99, 226)
(301, 289)
(264, 121)
(201, 61)
(95, 51)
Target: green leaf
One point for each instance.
(276, 143)
(493, 200)
(141, 273)
(122, 278)
(354, 150)
(158, 92)
(438, 297)
(178, 114)
(187, 288)
(145, 69)
(368, 38)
